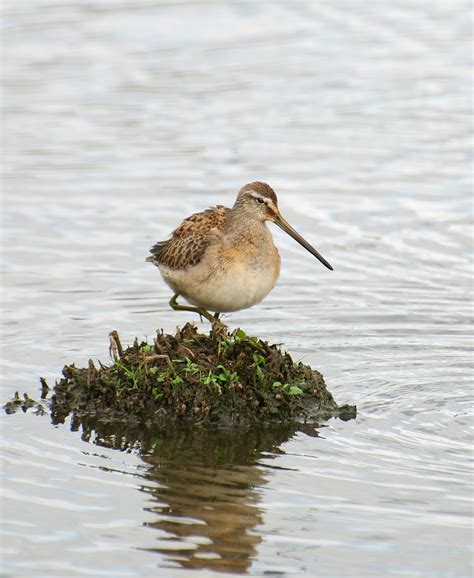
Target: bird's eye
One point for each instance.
(260, 200)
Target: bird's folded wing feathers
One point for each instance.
(190, 240)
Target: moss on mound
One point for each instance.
(221, 379)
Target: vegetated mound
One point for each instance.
(226, 379)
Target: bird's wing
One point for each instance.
(190, 240)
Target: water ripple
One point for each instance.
(123, 118)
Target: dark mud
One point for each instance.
(222, 379)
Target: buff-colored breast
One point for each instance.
(230, 276)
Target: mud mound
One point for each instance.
(215, 379)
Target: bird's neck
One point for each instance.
(245, 227)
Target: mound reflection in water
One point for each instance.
(207, 486)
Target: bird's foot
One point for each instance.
(219, 330)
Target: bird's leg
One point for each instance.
(200, 310)
(218, 328)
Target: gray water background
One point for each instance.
(120, 119)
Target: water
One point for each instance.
(122, 118)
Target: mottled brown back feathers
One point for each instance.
(190, 240)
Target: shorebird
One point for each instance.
(223, 259)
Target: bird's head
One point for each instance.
(259, 201)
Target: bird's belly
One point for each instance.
(229, 287)
(237, 289)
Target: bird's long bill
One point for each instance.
(285, 226)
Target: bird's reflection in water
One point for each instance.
(207, 486)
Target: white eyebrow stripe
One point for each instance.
(259, 196)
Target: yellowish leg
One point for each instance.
(177, 307)
(217, 325)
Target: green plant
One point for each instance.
(223, 378)
(224, 346)
(211, 379)
(157, 393)
(240, 335)
(132, 373)
(226, 376)
(147, 348)
(160, 375)
(259, 362)
(287, 388)
(190, 366)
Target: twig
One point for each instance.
(115, 348)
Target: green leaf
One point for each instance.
(190, 366)
(295, 390)
(259, 359)
(240, 334)
(210, 378)
(224, 345)
(259, 372)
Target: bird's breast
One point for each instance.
(243, 276)
(230, 276)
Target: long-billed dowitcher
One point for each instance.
(224, 259)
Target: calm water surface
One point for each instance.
(121, 118)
